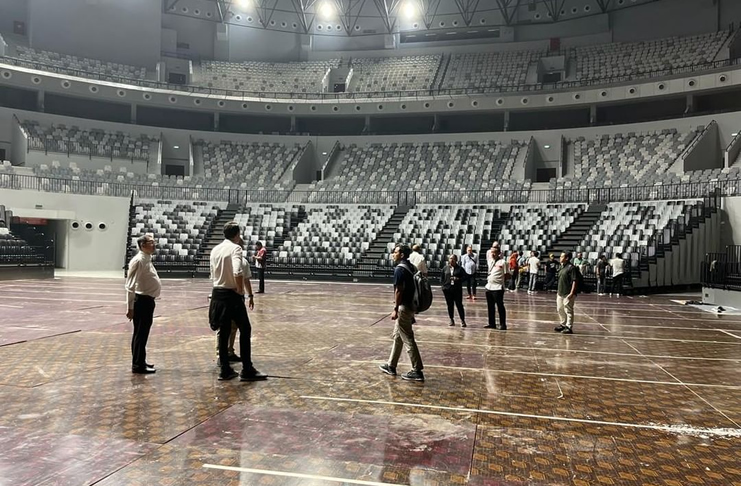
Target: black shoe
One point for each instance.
(503, 328)
(228, 375)
(567, 331)
(143, 371)
(463, 324)
(560, 328)
(149, 365)
(233, 358)
(490, 327)
(388, 369)
(260, 292)
(413, 375)
(452, 323)
(254, 375)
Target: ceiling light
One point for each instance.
(409, 10)
(176, 146)
(326, 11)
(244, 4)
(546, 146)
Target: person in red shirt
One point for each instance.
(261, 258)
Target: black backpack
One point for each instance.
(422, 291)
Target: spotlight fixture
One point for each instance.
(409, 10)
(326, 11)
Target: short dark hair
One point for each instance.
(567, 254)
(231, 229)
(536, 253)
(258, 244)
(602, 256)
(143, 239)
(404, 250)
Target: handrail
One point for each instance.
(493, 89)
(690, 190)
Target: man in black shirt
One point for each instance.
(551, 272)
(403, 315)
(601, 274)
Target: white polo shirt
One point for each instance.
(226, 265)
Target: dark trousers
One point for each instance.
(261, 277)
(454, 296)
(143, 317)
(550, 281)
(512, 284)
(228, 306)
(617, 284)
(495, 298)
(471, 284)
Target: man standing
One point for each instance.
(551, 273)
(451, 279)
(418, 260)
(233, 358)
(403, 314)
(227, 304)
(514, 269)
(568, 280)
(142, 287)
(470, 263)
(601, 274)
(534, 266)
(497, 274)
(261, 258)
(618, 267)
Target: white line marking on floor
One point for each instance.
(269, 472)
(730, 334)
(682, 430)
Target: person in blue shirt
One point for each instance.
(403, 315)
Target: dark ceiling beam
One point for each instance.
(467, 9)
(301, 7)
(554, 8)
(604, 5)
(265, 11)
(429, 11)
(508, 8)
(386, 9)
(349, 12)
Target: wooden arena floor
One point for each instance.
(646, 392)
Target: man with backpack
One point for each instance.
(569, 283)
(405, 294)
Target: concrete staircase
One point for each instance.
(577, 231)
(367, 266)
(214, 236)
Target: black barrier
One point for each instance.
(722, 270)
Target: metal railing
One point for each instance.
(722, 270)
(397, 94)
(79, 148)
(690, 190)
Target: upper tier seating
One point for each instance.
(408, 73)
(79, 65)
(625, 160)
(333, 235)
(627, 229)
(289, 77)
(536, 227)
(95, 142)
(635, 59)
(178, 227)
(489, 69)
(455, 167)
(444, 230)
(252, 166)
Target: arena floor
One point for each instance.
(646, 392)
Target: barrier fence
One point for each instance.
(722, 270)
(689, 190)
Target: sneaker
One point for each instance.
(567, 331)
(452, 323)
(463, 324)
(254, 375)
(413, 375)
(560, 328)
(388, 369)
(228, 375)
(233, 358)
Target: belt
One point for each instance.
(145, 297)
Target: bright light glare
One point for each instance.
(326, 11)
(409, 10)
(244, 4)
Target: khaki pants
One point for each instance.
(404, 335)
(565, 310)
(232, 338)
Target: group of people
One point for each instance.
(231, 276)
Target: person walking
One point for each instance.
(568, 280)
(142, 288)
(233, 358)
(227, 304)
(452, 278)
(403, 313)
(497, 274)
(470, 264)
(601, 269)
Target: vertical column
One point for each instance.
(217, 121)
(592, 115)
(293, 124)
(40, 96)
(506, 120)
(133, 113)
(690, 104)
(367, 127)
(435, 123)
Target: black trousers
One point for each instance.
(454, 297)
(495, 298)
(550, 281)
(617, 284)
(143, 317)
(227, 306)
(261, 277)
(471, 284)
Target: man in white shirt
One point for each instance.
(233, 358)
(618, 268)
(227, 304)
(534, 264)
(470, 264)
(498, 272)
(142, 287)
(418, 260)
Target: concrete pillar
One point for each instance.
(593, 115)
(690, 104)
(40, 101)
(293, 124)
(133, 113)
(506, 120)
(216, 121)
